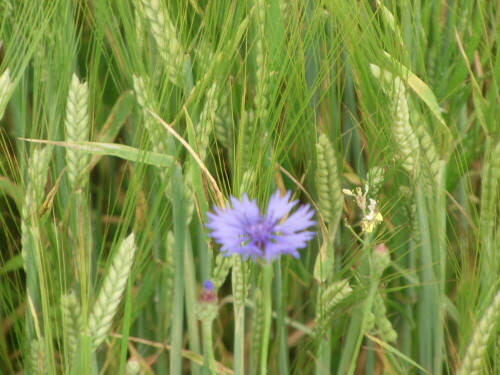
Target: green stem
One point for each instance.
(191, 301)
(208, 349)
(239, 339)
(281, 332)
(179, 218)
(267, 278)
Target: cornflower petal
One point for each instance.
(242, 228)
(279, 206)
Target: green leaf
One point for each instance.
(115, 149)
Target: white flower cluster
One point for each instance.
(372, 216)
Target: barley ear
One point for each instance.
(77, 128)
(222, 266)
(257, 330)
(262, 73)
(430, 168)
(110, 295)
(375, 177)
(403, 133)
(223, 122)
(247, 181)
(246, 138)
(487, 327)
(145, 98)
(330, 297)
(239, 280)
(72, 321)
(6, 90)
(387, 332)
(328, 183)
(165, 36)
(37, 359)
(489, 206)
(33, 195)
(207, 120)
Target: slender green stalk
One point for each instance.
(281, 333)
(239, 292)
(190, 297)
(208, 348)
(178, 296)
(267, 278)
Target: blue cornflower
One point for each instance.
(244, 230)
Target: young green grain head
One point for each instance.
(6, 90)
(165, 36)
(403, 133)
(72, 321)
(77, 128)
(328, 182)
(473, 361)
(111, 292)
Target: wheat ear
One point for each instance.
(72, 320)
(35, 184)
(328, 183)
(262, 73)
(403, 133)
(207, 120)
(165, 36)
(489, 206)
(110, 295)
(37, 359)
(487, 327)
(330, 297)
(6, 90)
(77, 128)
(387, 332)
(222, 266)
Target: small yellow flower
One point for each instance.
(373, 218)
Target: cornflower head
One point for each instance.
(244, 230)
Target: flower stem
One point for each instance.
(208, 347)
(239, 339)
(267, 277)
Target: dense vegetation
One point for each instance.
(124, 122)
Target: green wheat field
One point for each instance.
(123, 123)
